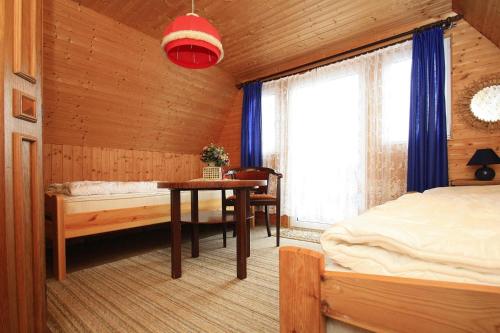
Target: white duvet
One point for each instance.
(450, 234)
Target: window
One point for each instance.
(326, 145)
(396, 79)
(339, 134)
(268, 123)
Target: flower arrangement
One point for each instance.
(214, 155)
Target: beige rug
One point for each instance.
(137, 294)
(307, 235)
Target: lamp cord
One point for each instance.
(192, 6)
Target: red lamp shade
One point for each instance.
(191, 41)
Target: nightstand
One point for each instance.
(473, 182)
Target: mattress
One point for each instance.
(208, 200)
(87, 187)
(448, 234)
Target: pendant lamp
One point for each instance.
(191, 41)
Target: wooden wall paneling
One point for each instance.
(108, 85)
(148, 159)
(141, 166)
(473, 56)
(129, 165)
(77, 163)
(122, 175)
(230, 136)
(113, 174)
(482, 15)
(67, 163)
(163, 170)
(87, 164)
(96, 163)
(137, 164)
(157, 165)
(144, 166)
(121, 164)
(169, 166)
(106, 167)
(56, 164)
(47, 162)
(25, 36)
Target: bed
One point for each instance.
(426, 262)
(79, 209)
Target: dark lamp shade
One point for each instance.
(484, 157)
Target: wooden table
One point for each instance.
(241, 189)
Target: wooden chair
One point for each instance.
(260, 197)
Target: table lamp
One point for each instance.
(484, 157)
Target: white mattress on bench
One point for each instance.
(208, 200)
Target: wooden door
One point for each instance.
(22, 252)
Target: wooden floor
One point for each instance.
(121, 283)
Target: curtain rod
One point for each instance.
(445, 24)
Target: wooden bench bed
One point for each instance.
(67, 217)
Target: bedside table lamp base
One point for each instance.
(485, 173)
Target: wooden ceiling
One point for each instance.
(261, 36)
(483, 15)
(108, 85)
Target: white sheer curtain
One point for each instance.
(338, 134)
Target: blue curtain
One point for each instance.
(251, 126)
(427, 145)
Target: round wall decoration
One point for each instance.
(479, 103)
(191, 41)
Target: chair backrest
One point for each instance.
(255, 173)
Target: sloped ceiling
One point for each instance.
(261, 37)
(484, 15)
(108, 85)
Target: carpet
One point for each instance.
(308, 235)
(137, 294)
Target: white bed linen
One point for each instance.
(86, 187)
(207, 200)
(450, 234)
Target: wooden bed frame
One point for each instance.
(61, 226)
(309, 294)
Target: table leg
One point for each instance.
(248, 221)
(195, 234)
(175, 234)
(241, 224)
